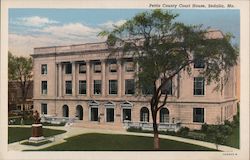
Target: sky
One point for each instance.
(30, 28)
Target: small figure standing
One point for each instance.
(36, 117)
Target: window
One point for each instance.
(44, 69)
(97, 87)
(44, 87)
(126, 114)
(164, 115)
(199, 63)
(129, 86)
(144, 114)
(82, 87)
(68, 87)
(68, 68)
(82, 68)
(112, 66)
(198, 115)
(198, 86)
(167, 88)
(110, 114)
(94, 114)
(129, 65)
(112, 86)
(97, 67)
(44, 108)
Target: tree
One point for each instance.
(163, 48)
(20, 71)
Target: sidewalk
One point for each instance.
(73, 131)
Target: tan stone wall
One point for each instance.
(180, 104)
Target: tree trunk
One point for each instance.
(156, 134)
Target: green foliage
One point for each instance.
(19, 68)
(183, 131)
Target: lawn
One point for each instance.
(234, 139)
(116, 142)
(16, 134)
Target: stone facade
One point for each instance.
(214, 106)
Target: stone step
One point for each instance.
(96, 125)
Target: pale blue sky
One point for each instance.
(29, 28)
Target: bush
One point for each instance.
(183, 131)
(204, 128)
(197, 136)
(134, 129)
(225, 129)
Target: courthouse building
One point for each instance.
(80, 82)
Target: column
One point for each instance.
(137, 88)
(120, 77)
(73, 79)
(60, 80)
(88, 78)
(103, 64)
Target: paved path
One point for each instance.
(73, 131)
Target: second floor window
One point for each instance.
(68, 87)
(68, 68)
(44, 87)
(112, 86)
(97, 87)
(129, 86)
(199, 86)
(82, 87)
(44, 69)
(167, 88)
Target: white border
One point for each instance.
(242, 154)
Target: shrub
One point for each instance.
(183, 131)
(225, 129)
(134, 129)
(204, 128)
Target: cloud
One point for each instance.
(72, 33)
(23, 43)
(71, 30)
(35, 21)
(111, 24)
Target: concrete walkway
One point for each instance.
(73, 131)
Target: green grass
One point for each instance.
(234, 139)
(116, 142)
(16, 134)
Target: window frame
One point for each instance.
(202, 89)
(44, 89)
(199, 64)
(44, 107)
(84, 85)
(68, 89)
(67, 70)
(44, 69)
(84, 65)
(94, 87)
(110, 87)
(198, 119)
(126, 86)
